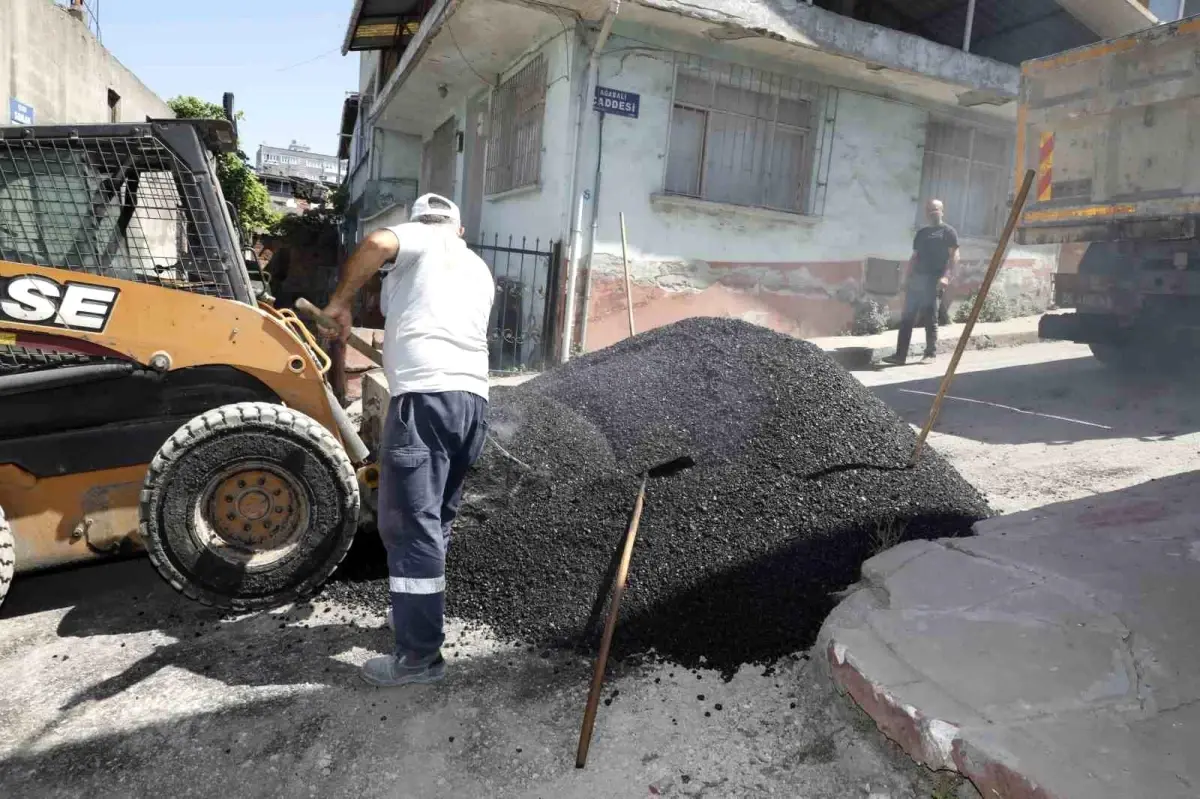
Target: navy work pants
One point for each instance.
(920, 307)
(429, 443)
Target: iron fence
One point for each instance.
(521, 328)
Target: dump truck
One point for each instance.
(1111, 130)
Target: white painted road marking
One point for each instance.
(1009, 408)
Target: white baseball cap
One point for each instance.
(434, 205)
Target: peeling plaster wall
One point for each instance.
(874, 178)
(799, 275)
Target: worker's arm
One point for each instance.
(951, 256)
(912, 260)
(907, 270)
(951, 266)
(368, 258)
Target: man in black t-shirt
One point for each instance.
(935, 252)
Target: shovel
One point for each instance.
(589, 714)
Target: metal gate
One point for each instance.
(524, 313)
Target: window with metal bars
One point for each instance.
(121, 207)
(514, 148)
(741, 136)
(968, 169)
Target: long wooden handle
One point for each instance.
(593, 701)
(989, 276)
(313, 313)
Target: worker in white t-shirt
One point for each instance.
(437, 297)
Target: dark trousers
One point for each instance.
(920, 307)
(429, 443)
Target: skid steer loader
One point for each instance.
(148, 397)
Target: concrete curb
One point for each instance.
(930, 741)
(864, 357)
(1048, 656)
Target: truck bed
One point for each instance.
(1112, 130)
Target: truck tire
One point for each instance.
(1111, 355)
(249, 506)
(8, 560)
(1132, 360)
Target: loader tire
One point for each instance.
(8, 561)
(249, 506)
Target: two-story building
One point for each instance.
(770, 158)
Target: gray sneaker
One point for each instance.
(390, 671)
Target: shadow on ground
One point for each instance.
(1059, 402)
(339, 739)
(291, 646)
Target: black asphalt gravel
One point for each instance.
(799, 474)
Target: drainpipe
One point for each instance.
(585, 99)
(587, 288)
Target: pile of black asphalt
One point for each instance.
(800, 473)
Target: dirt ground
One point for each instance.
(115, 686)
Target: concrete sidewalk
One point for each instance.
(1052, 656)
(859, 351)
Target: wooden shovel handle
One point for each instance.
(313, 313)
(589, 713)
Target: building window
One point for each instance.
(741, 136)
(114, 106)
(967, 168)
(514, 149)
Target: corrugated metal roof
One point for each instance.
(378, 24)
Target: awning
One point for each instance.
(377, 24)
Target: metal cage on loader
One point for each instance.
(148, 398)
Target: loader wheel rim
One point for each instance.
(251, 513)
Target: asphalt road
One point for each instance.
(1048, 422)
(115, 686)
